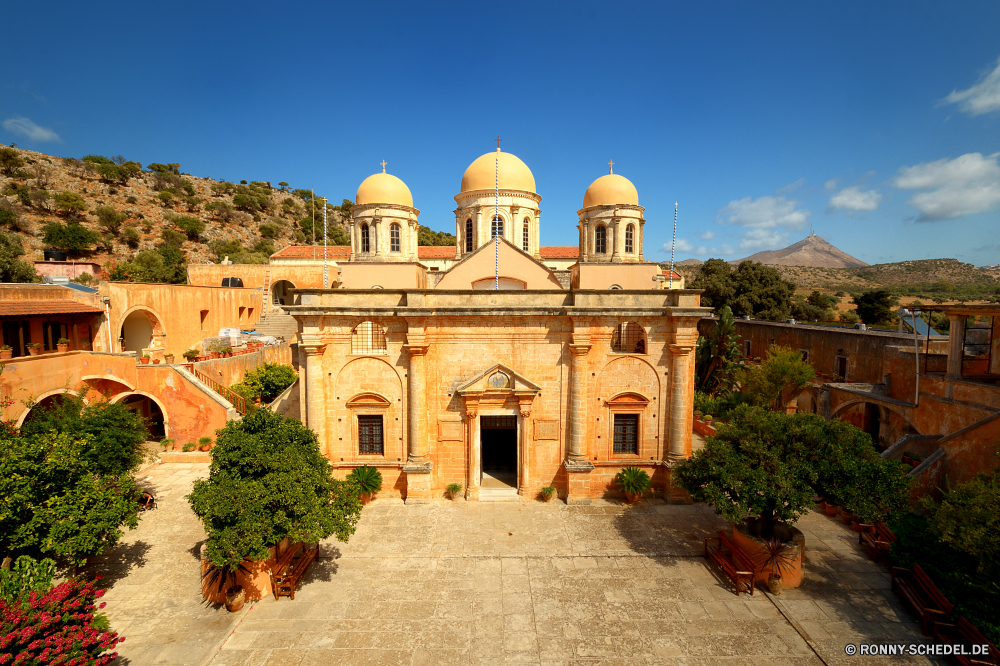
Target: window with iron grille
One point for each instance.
(600, 240)
(365, 242)
(524, 236)
(629, 235)
(628, 338)
(394, 238)
(497, 227)
(468, 236)
(370, 440)
(627, 433)
(368, 338)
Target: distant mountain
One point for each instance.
(690, 262)
(812, 251)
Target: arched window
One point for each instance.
(628, 338)
(368, 338)
(468, 236)
(497, 227)
(524, 235)
(600, 239)
(365, 241)
(394, 238)
(629, 235)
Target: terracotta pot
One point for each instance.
(156, 361)
(916, 463)
(548, 498)
(366, 497)
(34, 351)
(235, 598)
(907, 460)
(856, 526)
(846, 517)
(168, 359)
(207, 447)
(144, 360)
(62, 348)
(774, 584)
(632, 498)
(5, 354)
(831, 509)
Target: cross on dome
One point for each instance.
(498, 143)
(611, 166)
(383, 165)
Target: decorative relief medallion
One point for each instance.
(498, 380)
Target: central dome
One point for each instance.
(610, 190)
(384, 188)
(482, 174)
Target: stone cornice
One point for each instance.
(358, 209)
(482, 194)
(611, 208)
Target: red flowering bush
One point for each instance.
(57, 627)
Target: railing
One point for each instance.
(238, 401)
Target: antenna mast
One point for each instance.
(496, 218)
(673, 244)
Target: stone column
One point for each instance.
(681, 396)
(578, 468)
(354, 239)
(315, 394)
(638, 249)
(616, 230)
(376, 238)
(459, 236)
(956, 343)
(472, 473)
(583, 242)
(524, 476)
(418, 467)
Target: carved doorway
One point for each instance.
(498, 435)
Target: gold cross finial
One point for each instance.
(498, 143)
(611, 166)
(383, 165)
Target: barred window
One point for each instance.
(627, 433)
(524, 239)
(394, 238)
(628, 338)
(497, 227)
(629, 235)
(600, 239)
(370, 440)
(365, 242)
(368, 337)
(468, 236)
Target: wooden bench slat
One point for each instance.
(740, 578)
(920, 592)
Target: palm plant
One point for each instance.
(367, 478)
(633, 481)
(778, 556)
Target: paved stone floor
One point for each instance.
(529, 583)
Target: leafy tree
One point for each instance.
(224, 248)
(875, 307)
(760, 292)
(12, 267)
(283, 185)
(191, 226)
(69, 202)
(119, 173)
(822, 301)
(131, 237)
(174, 168)
(222, 210)
(263, 246)
(439, 238)
(172, 237)
(338, 236)
(715, 277)
(717, 356)
(192, 202)
(849, 317)
(268, 480)
(10, 161)
(266, 382)
(165, 264)
(166, 197)
(109, 219)
(773, 382)
(269, 230)
(9, 218)
(72, 237)
(97, 159)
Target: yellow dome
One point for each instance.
(610, 190)
(384, 188)
(514, 174)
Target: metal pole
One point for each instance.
(493, 227)
(916, 356)
(673, 244)
(325, 283)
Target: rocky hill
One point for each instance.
(811, 251)
(39, 188)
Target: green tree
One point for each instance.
(268, 480)
(166, 197)
(69, 202)
(225, 248)
(773, 382)
(269, 230)
(131, 237)
(12, 267)
(717, 356)
(266, 382)
(156, 167)
(173, 237)
(72, 237)
(439, 238)
(849, 317)
(109, 219)
(968, 519)
(191, 226)
(10, 161)
(822, 301)
(119, 174)
(715, 277)
(875, 307)
(760, 292)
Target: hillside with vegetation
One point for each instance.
(146, 223)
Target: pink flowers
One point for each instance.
(57, 627)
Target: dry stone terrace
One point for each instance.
(494, 583)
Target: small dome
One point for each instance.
(610, 190)
(482, 174)
(384, 188)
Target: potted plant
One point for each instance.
(205, 443)
(6, 352)
(548, 492)
(227, 352)
(34, 348)
(166, 443)
(368, 481)
(707, 418)
(188, 447)
(221, 579)
(846, 516)
(144, 359)
(907, 458)
(62, 344)
(191, 355)
(168, 358)
(776, 557)
(633, 482)
(454, 490)
(916, 460)
(156, 361)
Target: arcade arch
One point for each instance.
(139, 327)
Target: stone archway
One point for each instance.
(281, 293)
(141, 328)
(845, 406)
(162, 420)
(47, 399)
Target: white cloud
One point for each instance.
(980, 98)
(763, 239)
(764, 217)
(852, 198)
(963, 186)
(791, 187)
(708, 235)
(24, 127)
(683, 245)
(830, 184)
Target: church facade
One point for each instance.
(497, 373)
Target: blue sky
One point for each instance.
(877, 124)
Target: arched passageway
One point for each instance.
(281, 293)
(150, 411)
(48, 401)
(138, 330)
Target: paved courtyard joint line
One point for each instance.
(525, 583)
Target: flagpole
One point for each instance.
(325, 282)
(673, 244)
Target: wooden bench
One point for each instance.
(962, 632)
(876, 536)
(919, 591)
(736, 564)
(280, 567)
(285, 581)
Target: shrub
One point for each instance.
(453, 489)
(69, 202)
(10, 161)
(166, 198)
(189, 447)
(269, 230)
(59, 626)
(109, 219)
(26, 576)
(968, 520)
(191, 226)
(548, 491)
(71, 237)
(12, 267)
(776, 380)
(267, 481)
(40, 199)
(173, 237)
(633, 480)
(367, 479)
(131, 237)
(191, 354)
(849, 317)
(204, 441)
(156, 167)
(266, 382)
(131, 199)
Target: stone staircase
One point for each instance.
(280, 324)
(498, 495)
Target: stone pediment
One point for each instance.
(497, 379)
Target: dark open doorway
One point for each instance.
(499, 439)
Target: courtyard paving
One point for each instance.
(495, 583)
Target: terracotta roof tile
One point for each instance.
(666, 272)
(436, 251)
(559, 252)
(310, 251)
(54, 306)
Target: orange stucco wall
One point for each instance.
(512, 263)
(385, 275)
(253, 275)
(626, 276)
